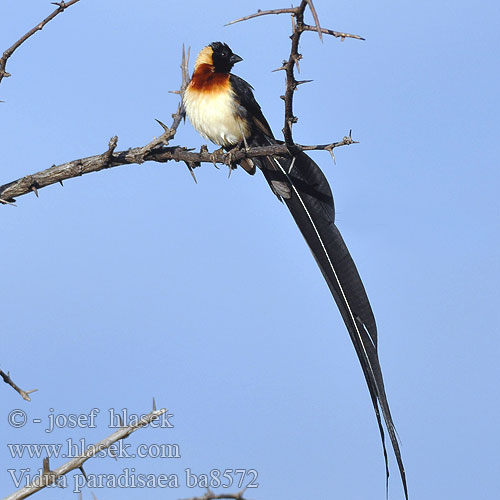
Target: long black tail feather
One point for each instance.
(302, 186)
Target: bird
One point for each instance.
(222, 108)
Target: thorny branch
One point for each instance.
(158, 150)
(61, 7)
(8, 380)
(76, 168)
(298, 27)
(48, 477)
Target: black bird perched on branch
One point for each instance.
(222, 107)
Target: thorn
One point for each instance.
(178, 92)
(120, 419)
(281, 68)
(83, 472)
(61, 182)
(297, 58)
(112, 453)
(154, 404)
(315, 17)
(282, 97)
(46, 467)
(165, 128)
(35, 190)
(301, 82)
(333, 156)
(191, 171)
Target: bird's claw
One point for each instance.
(230, 159)
(214, 154)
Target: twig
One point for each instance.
(81, 166)
(8, 380)
(169, 132)
(259, 13)
(61, 7)
(49, 477)
(336, 34)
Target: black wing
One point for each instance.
(249, 108)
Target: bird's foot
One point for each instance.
(230, 159)
(214, 155)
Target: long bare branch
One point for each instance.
(8, 380)
(49, 477)
(81, 166)
(61, 7)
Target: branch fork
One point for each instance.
(21, 392)
(298, 27)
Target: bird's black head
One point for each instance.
(223, 57)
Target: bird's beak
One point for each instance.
(235, 58)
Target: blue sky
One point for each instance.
(135, 282)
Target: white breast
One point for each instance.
(213, 115)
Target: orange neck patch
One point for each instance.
(206, 80)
